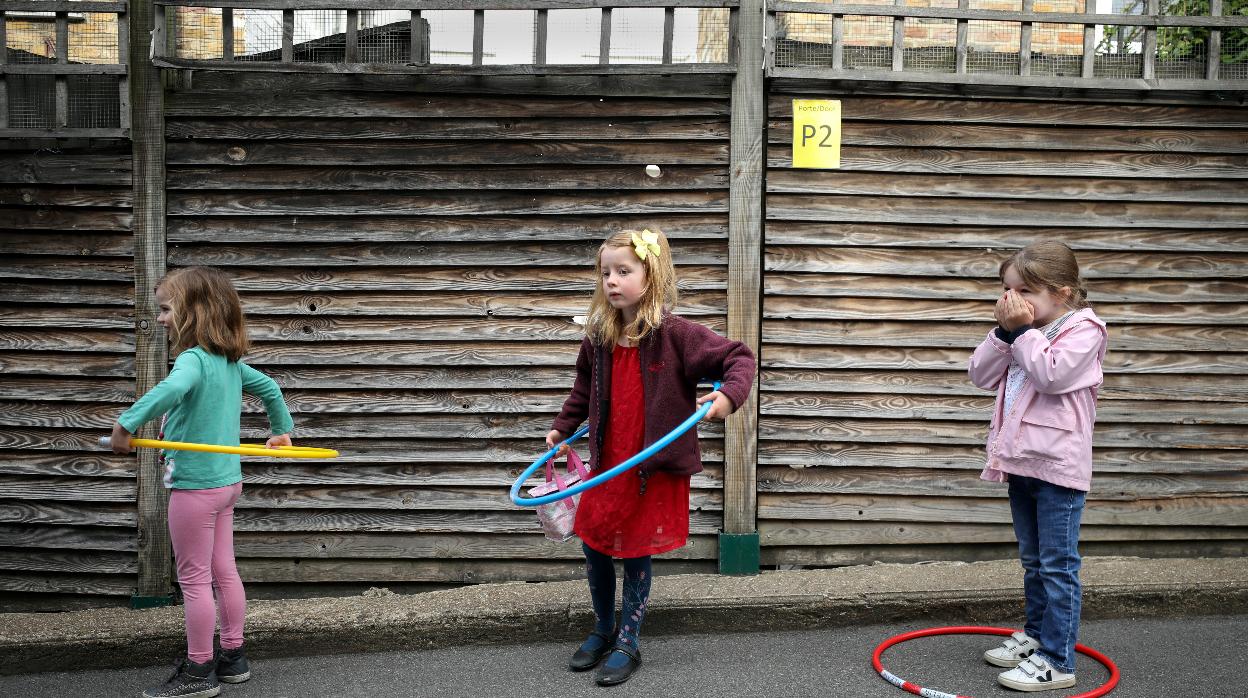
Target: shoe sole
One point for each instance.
(604, 683)
(1004, 663)
(1034, 686)
(239, 678)
(206, 693)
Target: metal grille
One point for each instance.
(930, 45)
(320, 36)
(992, 47)
(95, 39)
(450, 36)
(804, 40)
(32, 101)
(93, 101)
(509, 36)
(637, 35)
(257, 35)
(700, 36)
(868, 43)
(385, 36)
(1234, 64)
(199, 33)
(1182, 52)
(31, 39)
(1057, 49)
(573, 36)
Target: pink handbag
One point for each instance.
(558, 518)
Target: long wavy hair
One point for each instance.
(205, 312)
(604, 325)
(1051, 265)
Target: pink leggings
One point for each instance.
(201, 525)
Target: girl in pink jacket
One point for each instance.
(1044, 362)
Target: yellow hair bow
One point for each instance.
(646, 244)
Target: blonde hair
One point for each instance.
(1050, 265)
(604, 325)
(205, 312)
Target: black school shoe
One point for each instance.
(584, 660)
(232, 666)
(189, 680)
(615, 676)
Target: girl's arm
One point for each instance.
(1072, 363)
(186, 374)
(576, 407)
(709, 355)
(270, 394)
(989, 362)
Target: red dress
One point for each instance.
(615, 518)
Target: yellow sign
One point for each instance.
(817, 133)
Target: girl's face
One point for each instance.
(164, 304)
(623, 279)
(1046, 305)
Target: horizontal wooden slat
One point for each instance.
(408, 153)
(955, 263)
(66, 583)
(72, 562)
(436, 546)
(504, 521)
(17, 195)
(1177, 511)
(1031, 112)
(449, 304)
(1117, 386)
(67, 293)
(465, 353)
(52, 217)
(1012, 136)
(76, 489)
(835, 208)
(93, 365)
(357, 104)
(66, 316)
(71, 465)
(577, 278)
(14, 511)
(419, 377)
(68, 537)
(433, 229)
(1005, 237)
(917, 334)
(567, 254)
(1030, 162)
(892, 357)
(840, 555)
(1130, 435)
(95, 166)
(811, 533)
(1099, 290)
(461, 126)
(840, 308)
(66, 340)
(874, 184)
(416, 474)
(970, 456)
(66, 268)
(267, 570)
(461, 204)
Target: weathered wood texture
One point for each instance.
(878, 282)
(410, 263)
(67, 518)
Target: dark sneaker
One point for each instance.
(232, 666)
(190, 680)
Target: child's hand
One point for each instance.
(278, 441)
(1013, 312)
(553, 437)
(722, 407)
(120, 440)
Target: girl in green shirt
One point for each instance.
(201, 400)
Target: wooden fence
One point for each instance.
(411, 249)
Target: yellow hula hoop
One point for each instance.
(241, 449)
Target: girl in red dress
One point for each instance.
(636, 378)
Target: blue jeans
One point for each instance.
(1046, 523)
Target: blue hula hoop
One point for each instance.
(603, 477)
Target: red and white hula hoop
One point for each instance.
(976, 630)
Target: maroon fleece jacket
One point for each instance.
(674, 358)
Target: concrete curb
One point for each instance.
(508, 613)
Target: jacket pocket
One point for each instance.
(1047, 434)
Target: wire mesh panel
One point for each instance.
(700, 35)
(257, 35)
(94, 40)
(637, 35)
(1057, 49)
(573, 36)
(320, 36)
(930, 45)
(1234, 65)
(509, 36)
(804, 40)
(93, 101)
(31, 37)
(199, 33)
(992, 47)
(868, 43)
(32, 101)
(1182, 52)
(385, 36)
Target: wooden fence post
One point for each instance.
(155, 558)
(738, 542)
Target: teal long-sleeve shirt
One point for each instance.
(203, 396)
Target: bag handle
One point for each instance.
(575, 462)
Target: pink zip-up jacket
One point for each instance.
(1048, 431)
